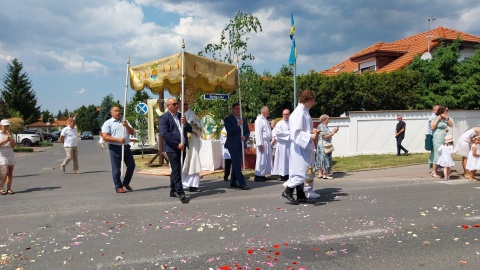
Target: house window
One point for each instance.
(368, 66)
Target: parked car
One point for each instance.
(28, 138)
(86, 135)
(49, 137)
(56, 133)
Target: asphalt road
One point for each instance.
(382, 219)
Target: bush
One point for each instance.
(44, 143)
(23, 149)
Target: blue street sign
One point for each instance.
(141, 108)
(216, 96)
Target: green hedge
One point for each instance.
(22, 149)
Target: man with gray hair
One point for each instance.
(400, 134)
(263, 138)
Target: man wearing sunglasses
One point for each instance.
(170, 124)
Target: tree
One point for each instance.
(105, 107)
(46, 115)
(233, 45)
(234, 38)
(16, 126)
(138, 97)
(18, 94)
(86, 119)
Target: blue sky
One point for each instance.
(75, 52)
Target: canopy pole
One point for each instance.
(183, 103)
(122, 166)
(241, 117)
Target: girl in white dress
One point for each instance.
(445, 156)
(7, 157)
(473, 160)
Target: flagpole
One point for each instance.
(182, 108)
(122, 166)
(293, 60)
(295, 84)
(241, 116)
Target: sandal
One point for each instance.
(10, 191)
(434, 175)
(3, 192)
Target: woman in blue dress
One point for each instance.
(439, 125)
(324, 161)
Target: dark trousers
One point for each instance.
(116, 161)
(399, 146)
(175, 176)
(228, 167)
(237, 176)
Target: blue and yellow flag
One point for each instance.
(293, 51)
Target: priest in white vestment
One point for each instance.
(263, 138)
(191, 165)
(282, 149)
(302, 135)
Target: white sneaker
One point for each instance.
(312, 195)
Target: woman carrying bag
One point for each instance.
(325, 148)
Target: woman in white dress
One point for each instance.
(463, 147)
(7, 157)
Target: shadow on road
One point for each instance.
(26, 175)
(37, 189)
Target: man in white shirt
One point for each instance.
(68, 136)
(263, 138)
(282, 150)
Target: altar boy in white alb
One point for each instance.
(282, 151)
(263, 138)
(302, 136)
(191, 165)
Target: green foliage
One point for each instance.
(46, 115)
(138, 97)
(105, 107)
(86, 119)
(23, 149)
(234, 38)
(45, 143)
(18, 95)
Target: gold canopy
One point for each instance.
(201, 74)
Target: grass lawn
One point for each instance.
(345, 164)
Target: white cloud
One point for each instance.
(81, 91)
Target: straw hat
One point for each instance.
(449, 138)
(5, 122)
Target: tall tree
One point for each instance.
(18, 93)
(46, 115)
(105, 106)
(86, 119)
(234, 44)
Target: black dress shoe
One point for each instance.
(183, 198)
(128, 187)
(259, 178)
(244, 187)
(290, 198)
(194, 189)
(173, 194)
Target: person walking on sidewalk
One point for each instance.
(400, 134)
(68, 137)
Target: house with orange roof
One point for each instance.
(391, 56)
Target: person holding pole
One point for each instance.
(113, 132)
(235, 144)
(170, 125)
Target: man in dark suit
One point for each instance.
(169, 124)
(235, 144)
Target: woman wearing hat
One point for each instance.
(7, 158)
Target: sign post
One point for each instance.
(141, 108)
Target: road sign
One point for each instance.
(216, 96)
(141, 108)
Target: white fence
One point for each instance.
(363, 133)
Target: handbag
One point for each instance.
(328, 148)
(428, 142)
